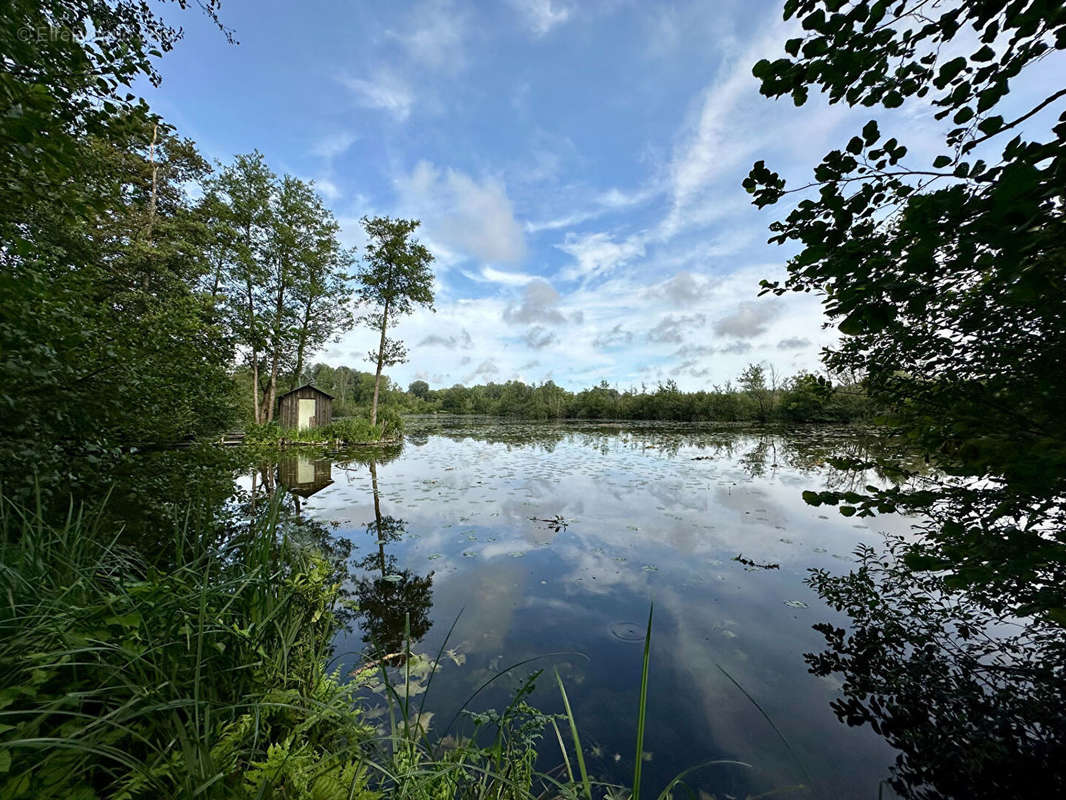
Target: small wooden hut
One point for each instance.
(305, 407)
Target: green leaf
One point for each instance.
(853, 324)
(990, 125)
(870, 132)
(941, 161)
(949, 71)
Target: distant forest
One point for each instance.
(758, 395)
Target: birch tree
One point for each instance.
(394, 278)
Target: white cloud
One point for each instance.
(539, 304)
(327, 188)
(436, 36)
(386, 91)
(506, 278)
(473, 216)
(333, 144)
(598, 254)
(539, 337)
(683, 289)
(671, 329)
(542, 15)
(749, 320)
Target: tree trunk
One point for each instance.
(255, 386)
(275, 362)
(381, 358)
(255, 353)
(155, 183)
(377, 516)
(302, 346)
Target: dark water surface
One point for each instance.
(553, 540)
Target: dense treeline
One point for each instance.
(802, 398)
(757, 396)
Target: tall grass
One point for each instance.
(121, 680)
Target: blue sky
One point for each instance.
(576, 166)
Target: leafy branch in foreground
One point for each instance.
(948, 281)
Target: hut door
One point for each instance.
(306, 413)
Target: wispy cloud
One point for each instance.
(333, 144)
(434, 35)
(597, 254)
(386, 91)
(492, 275)
(541, 16)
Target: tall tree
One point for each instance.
(240, 196)
(281, 269)
(395, 276)
(322, 292)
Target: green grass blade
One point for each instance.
(642, 712)
(562, 749)
(577, 739)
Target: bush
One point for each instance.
(349, 430)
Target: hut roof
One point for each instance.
(305, 386)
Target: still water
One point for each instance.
(553, 541)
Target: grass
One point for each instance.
(208, 679)
(347, 430)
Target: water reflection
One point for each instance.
(973, 700)
(933, 689)
(394, 603)
(303, 474)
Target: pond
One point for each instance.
(507, 541)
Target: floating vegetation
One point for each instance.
(747, 562)
(556, 523)
(795, 604)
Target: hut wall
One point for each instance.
(289, 408)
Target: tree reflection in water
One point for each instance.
(393, 601)
(973, 699)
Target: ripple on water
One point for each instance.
(627, 631)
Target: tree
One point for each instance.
(100, 251)
(419, 389)
(753, 381)
(947, 279)
(395, 276)
(240, 197)
(280, 268)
